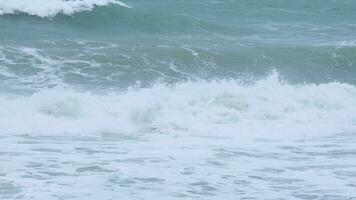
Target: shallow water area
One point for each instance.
(203, 99)
(157, 166)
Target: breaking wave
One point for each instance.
(50, 8)
(214, 108)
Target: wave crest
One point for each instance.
(219, 108)
(51, 8)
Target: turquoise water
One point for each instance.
(230, 99)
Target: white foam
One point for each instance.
(50, 8)
(219, 108)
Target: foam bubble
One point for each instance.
(50, 8)
(215, 108)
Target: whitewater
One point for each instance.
(222, 108)
(108, 99)
(52, 7)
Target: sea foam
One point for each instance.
(266, 108)
(50, 8)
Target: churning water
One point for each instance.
(203, 99)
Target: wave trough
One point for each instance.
(53, 7)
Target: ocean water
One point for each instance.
(203, 99)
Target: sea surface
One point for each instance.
(178, 99)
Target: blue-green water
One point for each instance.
(220, 99)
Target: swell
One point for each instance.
(106, 65)
(228, 23)
(109, 21)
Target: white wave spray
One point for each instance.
(50, 8)
(219, 108)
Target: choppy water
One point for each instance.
(107, 99)
(164, 167)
